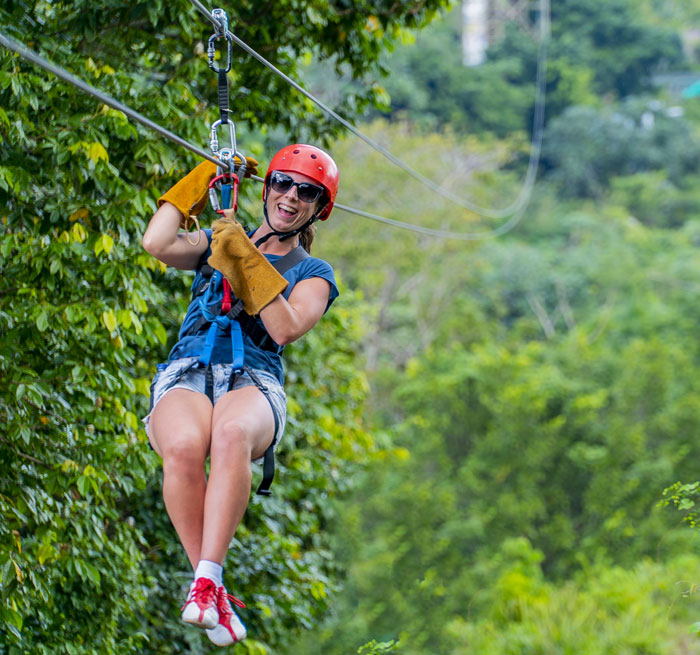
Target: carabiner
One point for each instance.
(227, 185)
(214, 140)
(240, 169)
(222, 32)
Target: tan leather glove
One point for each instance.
(252, 278)
(191, 193)
(251, 165)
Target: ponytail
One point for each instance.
(306, 237)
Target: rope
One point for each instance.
(518, 206)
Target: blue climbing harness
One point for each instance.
(212, 313)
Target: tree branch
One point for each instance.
(541, 313)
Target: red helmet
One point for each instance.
(312, 162)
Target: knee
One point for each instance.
(230, 439)
(183, 455)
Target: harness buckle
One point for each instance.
(235, 311)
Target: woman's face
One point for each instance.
(285, 211)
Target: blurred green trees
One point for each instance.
(529, 397)
(598, 51)
(542, 390)
(586, 149)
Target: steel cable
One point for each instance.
(519, 205)
(33, 57)
(521, 201)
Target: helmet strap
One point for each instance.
(282, 236)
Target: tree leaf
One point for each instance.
(110, 320)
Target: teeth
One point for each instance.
(287, 208)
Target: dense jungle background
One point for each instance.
(489, 439)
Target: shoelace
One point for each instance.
(223, 607)
(202, 594)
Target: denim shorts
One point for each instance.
(185, 374)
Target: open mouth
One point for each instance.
(286, 211)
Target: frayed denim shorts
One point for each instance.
(185, 374)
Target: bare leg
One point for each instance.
(242, 429)
(180, 428)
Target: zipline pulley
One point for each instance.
(221, 72)
(221, 33)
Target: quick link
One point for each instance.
(214, 140)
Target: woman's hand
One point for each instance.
(252, 278)
(178, 208)
(191, 193)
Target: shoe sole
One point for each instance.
(206, 620)
(220, 636)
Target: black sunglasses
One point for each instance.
(306, 192)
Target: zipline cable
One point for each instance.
(412, 227)
(538, 124)
(31, 56)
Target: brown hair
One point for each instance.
(306, 237)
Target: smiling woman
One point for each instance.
(313, 175)
(220, 395)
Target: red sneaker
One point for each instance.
(230, 629)
(200, 607)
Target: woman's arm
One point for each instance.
(287, 320)
(163, 241)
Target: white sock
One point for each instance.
(211, 570)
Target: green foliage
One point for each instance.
(374, 648)
(430, 85)
(586, 149)
(684, 497)
(597, 49)
(676, 13)
(614, 40)
(655, 200)
(642, 610)
(541, 390)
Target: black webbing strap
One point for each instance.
(268, 471)
(282, 265)
(291, 259)
(209, 383)
(249, 325)
(223, 96)
(269, 456)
